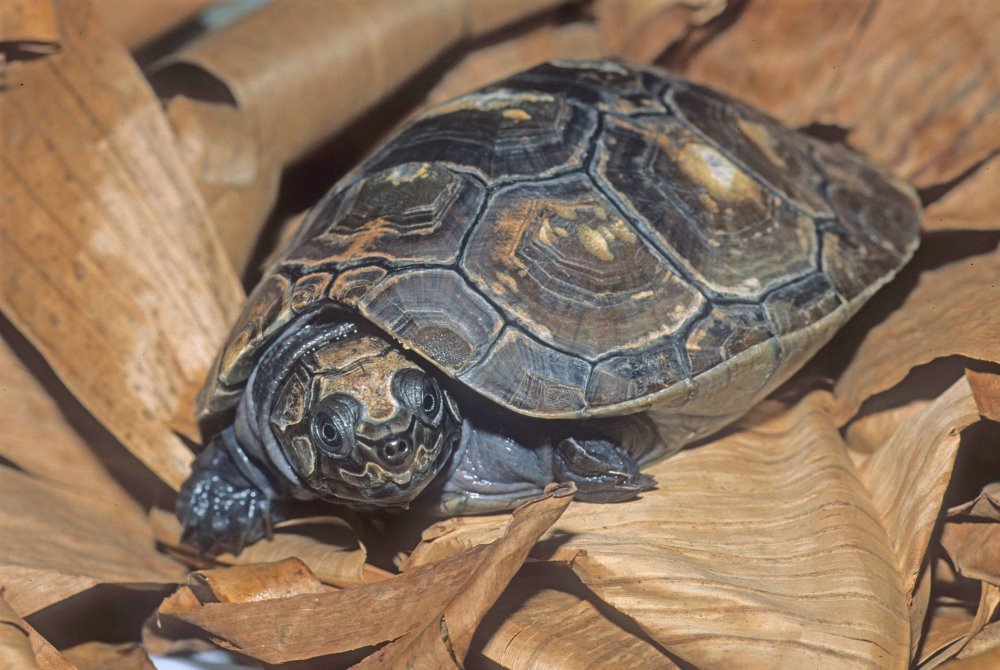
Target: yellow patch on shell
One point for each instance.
(595, 243)
(720, 176)
(516, 114)
(507, 280)
(761, 136)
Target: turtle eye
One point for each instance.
(328, 433)
(431, 400)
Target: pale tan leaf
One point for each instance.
(974, 548)
(986, 505)
(907, 476)
(136, 23)
(973, 203)
(986, 390)
(105, 656)
(870, 431)
(38, 438)
(503, 59)
(29, 26)
(988, 601)
(640, 30)
(534, 626)
(759, 549)
(986, 639)
(783, 56)
(954, 309)
(111, 266)
(58, 542)
(21, 647)
(985, 660)
(451, 594)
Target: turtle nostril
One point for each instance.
(394, 451)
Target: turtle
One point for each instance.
(560, 277)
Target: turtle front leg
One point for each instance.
(227, 502)
(494, 472)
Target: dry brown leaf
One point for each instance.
(58, 542)
(973, 203)
(496, 61)
(986, 639)
(455, 591)
(331, 549)
(759, 549)
(111, 267)
(985, 506)
(640, 30)
(254, 582)
(136, 23)
(870, 431)
(986, 660)
(534, 626)
(963, 629)
(907, 476)
(29, 27)
(783, 56)
(39, 439)
(974, 548)
(21, 647)
(986, 390)
(104, 656)
(954, 309)
(915, 82)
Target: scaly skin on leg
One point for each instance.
(228, 502)
(494, 472)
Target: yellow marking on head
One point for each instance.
(595, 243)
(722, 179)
(516, 114)
(759, 134)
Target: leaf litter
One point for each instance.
(832, 529)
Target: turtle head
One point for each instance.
(361, 422)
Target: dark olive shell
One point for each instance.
(589, 238)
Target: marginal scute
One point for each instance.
(564, 263)
(267, 310)
(773, 152)
(872, 207)
(352, 284)
(410, 213)
(309, 289)
(608, 86)
(724, 332)
(538, 136)
(530, 377)
(804, 302)
(630, 376)
(704, 212)
(436, 314)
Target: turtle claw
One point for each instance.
(219, 508)
(602, 471)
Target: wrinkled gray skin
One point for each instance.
(337, 411)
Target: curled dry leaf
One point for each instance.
(254, 582)
(957, 629)
(29, 28)
(971, 536)
(954, 309)
(415, 607)
(111, 267)
(136, 23)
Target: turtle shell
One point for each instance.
(589, 239)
